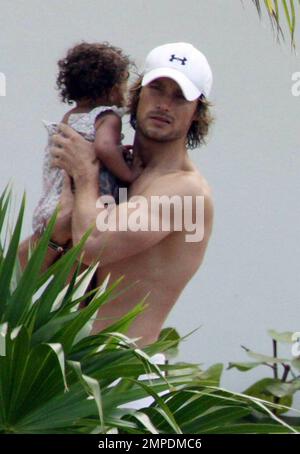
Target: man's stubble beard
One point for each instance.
(156, 135)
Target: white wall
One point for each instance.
(249, 281)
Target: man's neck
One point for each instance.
(156, 155)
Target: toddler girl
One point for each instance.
(94, 76)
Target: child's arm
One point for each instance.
(107, 146)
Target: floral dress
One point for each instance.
(83, 123)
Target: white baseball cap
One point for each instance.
(183, 63)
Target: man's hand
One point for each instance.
(74, 154)
(134, 160)
(62, 232)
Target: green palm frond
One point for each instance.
(55, 377)
(275, 10)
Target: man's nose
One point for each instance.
(164, 103)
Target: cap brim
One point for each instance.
(189, 90)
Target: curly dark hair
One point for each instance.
(90, 71)
(199, 127)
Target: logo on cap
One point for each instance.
(183, 60)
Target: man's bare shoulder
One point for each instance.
(195, 184)
(180, 183)
(184, 183)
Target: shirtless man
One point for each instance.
(168, 110)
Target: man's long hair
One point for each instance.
(199, 127)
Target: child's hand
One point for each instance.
(137, 166)
(133, 161)
(127, 153)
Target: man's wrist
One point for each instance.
(60, 238)
(56, 247)
(86, 187)
(59, 248)
(89, 180)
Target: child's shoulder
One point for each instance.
(65, 118)
(70, 113)
(91, 117)
(101, 110)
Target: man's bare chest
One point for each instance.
(140, 185)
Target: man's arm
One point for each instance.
(117, 243)
(28, 244)
(77, 157)
(61, 233)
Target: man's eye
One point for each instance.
(180, 96)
